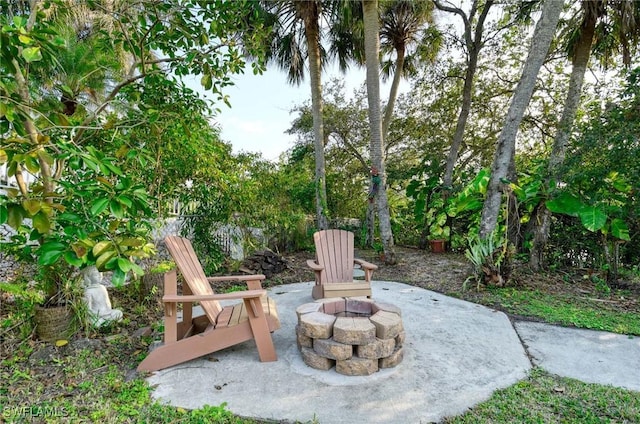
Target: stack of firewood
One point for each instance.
(264, 262)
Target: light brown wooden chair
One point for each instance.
(256, 317)
(334, 265)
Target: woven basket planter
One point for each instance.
(53, 323)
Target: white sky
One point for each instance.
(260, 109)
(261, 104)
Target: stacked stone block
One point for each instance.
(358, 336)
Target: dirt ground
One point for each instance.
(446, 273)
(443, 273)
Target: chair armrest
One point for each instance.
(254, 281)
(249, 277)
(365, 264)
(314, 265)
(247, 294)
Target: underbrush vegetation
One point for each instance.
(93, 377)
(567, 310)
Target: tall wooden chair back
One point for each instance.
(187, 261)
(335, 252)
(334, 265)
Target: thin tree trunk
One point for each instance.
(474, 45)
(371, 224)
(393, 92)
(542, 220)
(541, 40)
(372, 48)
(313, 45)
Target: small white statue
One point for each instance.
(97, 298)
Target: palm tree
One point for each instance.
(405, 23)
(297, 35)
(372, 49)
(599, 26)
(81, 69)
(404, 30)
(85, 68)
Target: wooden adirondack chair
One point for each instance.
(220, 327)
(334, 266)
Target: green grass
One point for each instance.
(90, 389)
(547, 399)
(562, 309)
(94, 385)
(87, 386)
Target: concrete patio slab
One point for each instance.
(456, 355)
(589, 356)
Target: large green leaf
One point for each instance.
(3, 214)
(206, 81)
(468, 204)
(124, 264)
(101, 247)
(70, 217)
(118, 277)
(116, 209)
(131, 242)
(32, 164)
(32, 206)
(593, 218)
(41, 222)
(620, 229)
(137, 269)
(50, 252)
(481, 181)
(565, 203)
(15, 215)
(72, 259)
(98, 206)
(101, 261)
(49, 258)
(32, 54)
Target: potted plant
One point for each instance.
(430, 211)
(439, 233)
(91, 215)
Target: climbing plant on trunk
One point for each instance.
(372, 49)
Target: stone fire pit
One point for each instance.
(358, 336)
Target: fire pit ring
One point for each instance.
(358, 336)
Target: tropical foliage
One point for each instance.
(100, 134)
(501, 128)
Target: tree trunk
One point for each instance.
(312, 34)
(393, 92)
(372, 48)
(514, 235)
(371, 224)
(474, 45)
(582, 53)
(540, 42)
